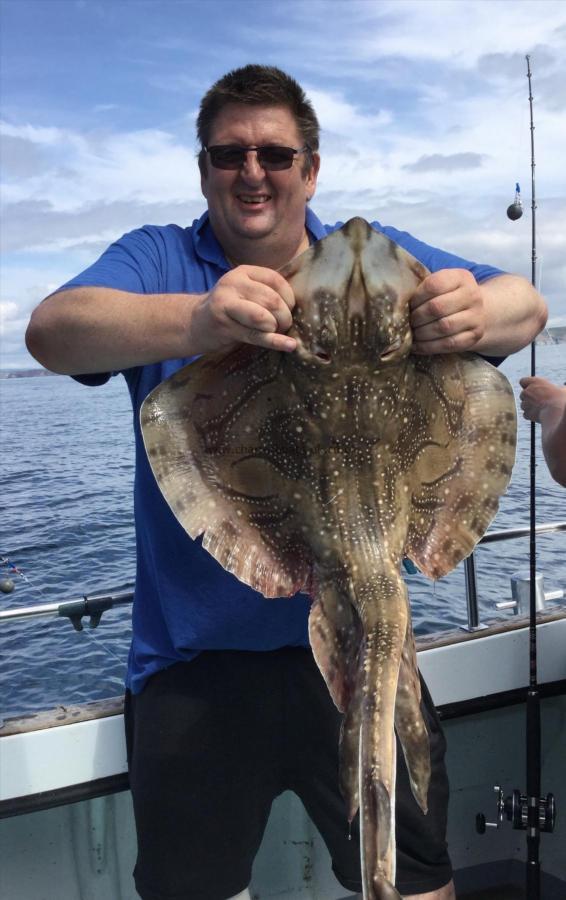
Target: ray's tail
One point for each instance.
(384, 613)
(365, 650)
(377, 764)
(410, 724)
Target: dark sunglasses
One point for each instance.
(272, 157)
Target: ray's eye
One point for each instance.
(321, 353)
(323, 347)
(390, 349)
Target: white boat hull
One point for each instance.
(86, 849)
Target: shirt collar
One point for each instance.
(208, 248)
(314, 226)
(206, 245)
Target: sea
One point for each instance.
(67, 531)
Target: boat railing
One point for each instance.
(519, 584)
(92, 607)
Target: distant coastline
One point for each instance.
(27, 373)
(554, 335)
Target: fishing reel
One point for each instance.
(515, 809)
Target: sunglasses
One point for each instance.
(272, 157)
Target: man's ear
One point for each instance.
(312, 175)
(203, 169)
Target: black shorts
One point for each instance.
(212, 742)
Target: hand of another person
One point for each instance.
(447, 313)
(251, 305)
(539, 395)
(545, 403)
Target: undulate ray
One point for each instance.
(320, 469)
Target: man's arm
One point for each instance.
(85, 330)
(544, 402)
(451, 312)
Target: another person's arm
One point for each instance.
(85, 330)
(545, 403)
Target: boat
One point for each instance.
(67, 830)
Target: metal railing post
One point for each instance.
(471, 593)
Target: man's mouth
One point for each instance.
(254, 199)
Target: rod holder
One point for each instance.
(520, 592)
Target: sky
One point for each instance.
(423, 106)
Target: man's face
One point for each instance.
(257, 214)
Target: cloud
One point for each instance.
(105, 107)
(21, 158)
(469, 31)
(35, 134)
(339, 116)
(9, 311)
(36, 226)
(506, 65)
(24, 285)
(439, 162)
(423, 108)
(79, 171)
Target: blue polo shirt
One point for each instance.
(185, 601)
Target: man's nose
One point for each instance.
(251, 168)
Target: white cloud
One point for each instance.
(454, 32)
(336, 114)
(404, 89)
(146, 166)
(36, 134)
(445, 162)
(9, 311)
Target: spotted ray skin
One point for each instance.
(320, 469)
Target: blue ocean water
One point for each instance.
(66, 489)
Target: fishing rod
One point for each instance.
(533, 697)
(529, 812)
(75, 610)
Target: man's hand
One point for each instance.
(447, 313)
(251, 305)
(539, 396)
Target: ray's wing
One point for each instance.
(464, 461)
(223, 438)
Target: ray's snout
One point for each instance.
(352, 291)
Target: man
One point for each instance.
(545, 403)
(215, 728)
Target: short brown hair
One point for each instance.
(257, 85)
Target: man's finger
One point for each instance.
(272, 279)
(456, 343)
(436, 284)
(260, 311)
(436, 308)
(261, 337)
(446, 326)
(275, 341)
